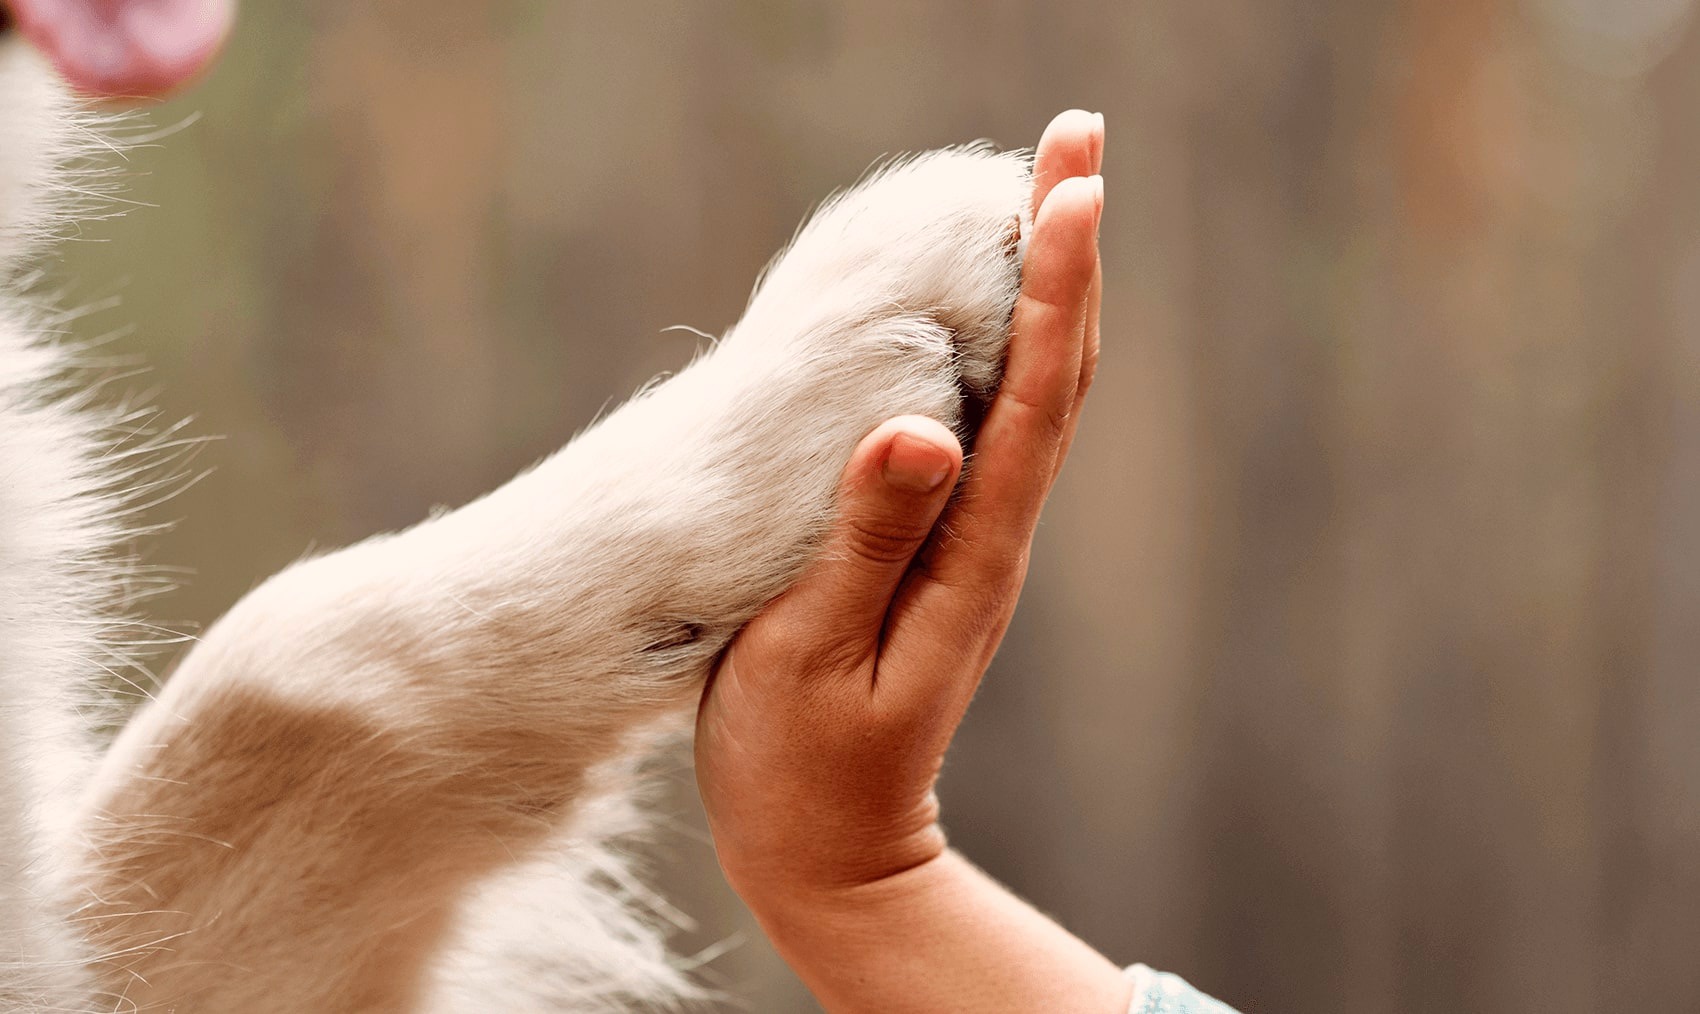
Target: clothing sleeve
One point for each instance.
(1157, 992)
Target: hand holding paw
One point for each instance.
(823, 730)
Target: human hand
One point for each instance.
(822, 732)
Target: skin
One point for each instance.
(821, 735)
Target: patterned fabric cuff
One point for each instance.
(1157, 992)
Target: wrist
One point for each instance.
(835, 937)
(939, 936)
(789, 905)
(782, 884)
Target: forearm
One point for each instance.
(942, 936)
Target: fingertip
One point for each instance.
(1069, 123)
(914, 466)
(1066, 149)
(1076, 192)
(919, 455)
(1063, 252)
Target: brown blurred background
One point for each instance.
(1357, 671)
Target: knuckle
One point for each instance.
(1053, 419)
(1000, 582)
(1051, 416)
(885, 540)
(1056, 420)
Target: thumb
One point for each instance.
(892, 491)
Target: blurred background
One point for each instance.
(1358, 666)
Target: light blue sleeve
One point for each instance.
(1161, 993)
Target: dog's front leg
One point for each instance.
(291, 825)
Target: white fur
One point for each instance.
(397, 776)
(55, 538)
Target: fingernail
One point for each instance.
(1097, 200)
(914, 465)
(1098, 132)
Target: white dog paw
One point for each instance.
(924, 256)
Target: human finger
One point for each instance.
(1089, 356)
(971, 571)
(1016, 447)
(1072, 145)
(892, 491)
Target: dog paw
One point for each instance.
(924, 256)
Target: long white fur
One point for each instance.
(397, 776)
(55, 547)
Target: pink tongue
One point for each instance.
(125, 47)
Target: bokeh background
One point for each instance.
(1358, 666)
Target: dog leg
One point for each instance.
(291, 825)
